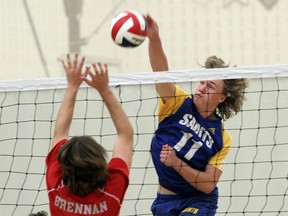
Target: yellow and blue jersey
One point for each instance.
(196, 140)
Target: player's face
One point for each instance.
(208, 95)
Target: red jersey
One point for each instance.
(105, 201)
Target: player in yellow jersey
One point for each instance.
(190, 143)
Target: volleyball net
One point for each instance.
(254, 179)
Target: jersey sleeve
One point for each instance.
(218, 159)
(54, 170)
(119, 177)
(171, 105)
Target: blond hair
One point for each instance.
(234, 89)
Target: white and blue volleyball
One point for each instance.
(128, 29)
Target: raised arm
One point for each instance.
(124, 143)
(74, 77)
(204, 181)
(158, 59)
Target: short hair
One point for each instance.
(40, 213)
(84, 165)
(234, 89)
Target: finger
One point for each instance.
(90, 81)
(85, 74)
(165, 147)
(75, 60)
(106, 69)
(95, 69)
(163, 154)
(162, 157)
(101, 69)
(91, 74)
(149, 19)
(81, 63)
(64, 65)
(68, 61)
(170, 148)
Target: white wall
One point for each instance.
(242, 32)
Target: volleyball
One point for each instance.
(128, 29)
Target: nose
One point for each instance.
(203, 87)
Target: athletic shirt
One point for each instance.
(196, 140)
(104, 201)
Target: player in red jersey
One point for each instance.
(79, 179)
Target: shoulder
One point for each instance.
(181, 93)
(119, 166)
(172, 104)
(118, 172)
(54, 171)
(54, 151)
(227, 138)
(118, 181)
(218, 159)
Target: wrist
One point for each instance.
(73, 86)
(155, 38)
(104, 91)
(180, 167)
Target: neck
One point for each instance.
(208, 115)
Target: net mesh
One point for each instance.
(254, 180)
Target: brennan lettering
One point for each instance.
(79, 208)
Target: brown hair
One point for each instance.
(41, 213)
(234, 89)
(84, 165)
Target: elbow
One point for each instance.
(126, 131)
(131, 138)
(208, 191)
(129, 134)
(61, 133)
(208, 188)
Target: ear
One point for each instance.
(222, 99)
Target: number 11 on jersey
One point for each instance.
(183, 141)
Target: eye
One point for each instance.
(210, 86)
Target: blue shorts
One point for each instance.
(173, 205)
